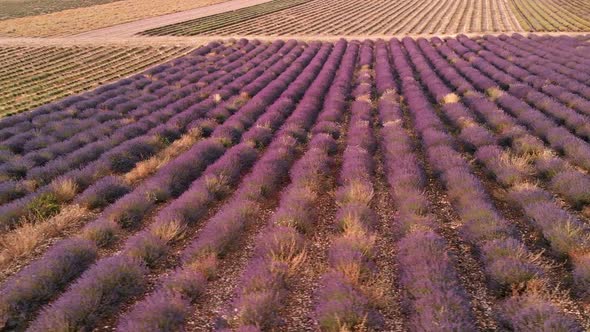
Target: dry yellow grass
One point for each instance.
(29, 236)
(25, 239)
(149, 166)
(79, 20)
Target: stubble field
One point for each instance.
(380, 17)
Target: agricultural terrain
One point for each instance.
(295, 165)
(401, 184)
(33, 76)
(383, 17)
(552, 15)
(77, 20)
(20, 8)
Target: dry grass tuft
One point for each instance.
(64, 189)
(289, 254)
(169, 231)
(79, 20)
(494, 93)
(148, 167)
(520, 163)
(451, 98)
(207, 265)
(378, 292)
(356, 192)
(29, 236)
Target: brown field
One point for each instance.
(72, 21)
(553, 15)
(335, 17)
(384, 17)
(21, 8)
(33, 76)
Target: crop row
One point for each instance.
(552, 15)
(173, 178)
(385, 17)
(197, 199)
(33, 76)
(114, 145)
(105, 191)
(207, 23)
(415, 17)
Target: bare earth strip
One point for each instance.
(200, 40)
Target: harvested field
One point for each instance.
(391, 185)
(381, 17)
(552, 15)
(73, 21)
(31, 76)
(213, 22)
(21, 8)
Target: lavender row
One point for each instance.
(568, 48)
(559, 138)
(64, 123)
(497, 56)
(172, 179)
(280, 249)
(62, 109)
(118, 117)
(141, 252)
(151, 244)
(506, 259)
(555, 66)
(536, 59)
(114, 160)
(263, 288)
(434, 298)
(84, 177)
(344, 290)
(113, 188)
(226, 226)
(565, 180)
(43, 174)
(565, 233)
(217, 180)
(567, 90)
(184, 209)
(576, 122)
(145, 246)
(478, 138)
(527, 146)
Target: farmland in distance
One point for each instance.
(381, 17)
(32, 76)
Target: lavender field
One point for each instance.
(380, 185)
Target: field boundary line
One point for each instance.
(195, 41)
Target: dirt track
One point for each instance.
(193, 41)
